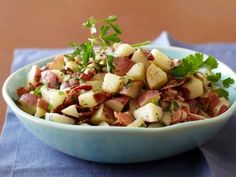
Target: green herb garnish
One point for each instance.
(228, 82)
(222, 92)
(37, 91)
(214, 77)
(190, 65)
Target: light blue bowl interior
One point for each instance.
(118, 144)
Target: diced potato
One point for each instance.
(150, 96)
(166, 118)
(71, 64)
(40, 112)
(98, 76)
(96, 84)
(57, 63)
(41, 108)
(55, 117)
(49, 78)
(28, 102)
(161, 60)
(53, 97)
(117, 104)
(111, 83)
(149, 113)
(34, 75)
(137, 123)
(195, 87)
(137, 72)
(71, 111)
(104, 124)
(59, 74)
(103, 114)
(87, 99)
(156, 77)
(124, 50)
(139, 57)
(132, 89)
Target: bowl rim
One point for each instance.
(56, 125)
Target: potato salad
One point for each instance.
(105, 82)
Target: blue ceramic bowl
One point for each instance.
(119, 144)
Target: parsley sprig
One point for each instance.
(191, 64)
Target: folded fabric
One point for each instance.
(21, 154)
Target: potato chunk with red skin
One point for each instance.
(28, 103)
(49, 78)
(34, 75)
(123, 118)
(117, 104)
(150, 96)
(57, 63)
(122, 65)
(132, 89)
(104, 113)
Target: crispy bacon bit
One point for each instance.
(86, 114)
(21, 91)
(173, 83)
(72, 98)
(122, 65)
(42, 104)
(223, 109)
(148, 55)
(83, 87)
(123, 119)
(193, 117)
(101, 97)
(86, 76)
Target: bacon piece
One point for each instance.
(101, 97)
(194, 117)
(83, 87)
(122, 65)
(72, 98)
(149, 55)
(21, 91)
(223, 109)
(42, 104)
(172, 84)
(86, 76)
(123, 119)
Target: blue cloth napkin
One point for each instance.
(22, 155)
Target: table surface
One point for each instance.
(51, 24)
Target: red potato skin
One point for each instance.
(29, 98)
(50, 78)
(144, 97)
(37, 73)
(21, 91)
(223, 109)
(123, 119)
(65, 85)
(122, 65)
